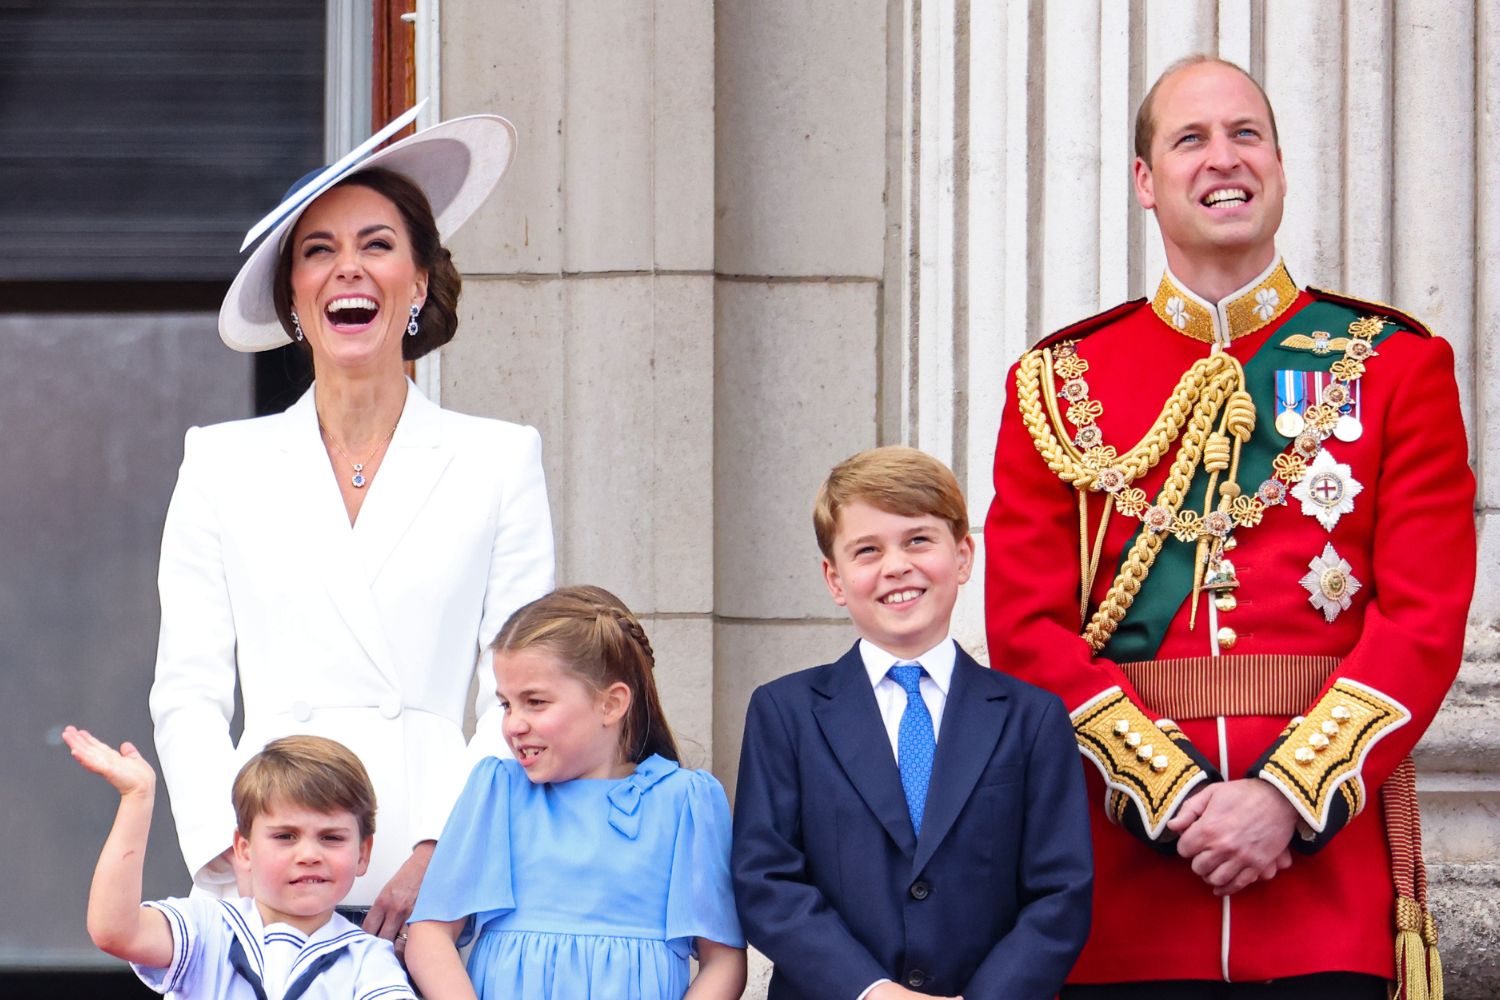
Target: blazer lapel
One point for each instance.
(326, 536)
(973, 719)
(851, 723)
(413, 464)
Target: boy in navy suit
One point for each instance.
(889, 846)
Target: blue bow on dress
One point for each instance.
(625, 797)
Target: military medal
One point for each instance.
(1328, 490)
(1343, 397)
(1291, 400)
(1330, 583)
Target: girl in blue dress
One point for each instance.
(592, 866)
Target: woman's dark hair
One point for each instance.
(438, 320)
(600, 642)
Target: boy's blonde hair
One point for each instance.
(895, 479)
(309, 771)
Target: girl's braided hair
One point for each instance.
(599, 641)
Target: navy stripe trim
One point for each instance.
(311, 952)
(388, 991)
(180, 940)
(244, 934)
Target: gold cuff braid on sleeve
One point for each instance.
(1137, 758)
(1322, 754)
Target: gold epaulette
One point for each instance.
(1367, 306)
(1084, 327)
(1321, 754)
(1138, 758)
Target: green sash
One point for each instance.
(1170, 583)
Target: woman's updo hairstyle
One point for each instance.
(600, 642)
(438, 320)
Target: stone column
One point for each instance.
(588, 298)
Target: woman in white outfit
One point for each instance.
(347, 560)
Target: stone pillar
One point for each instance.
(800, 244)
(589, 298)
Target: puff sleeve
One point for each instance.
(700, 896)
(470, 872)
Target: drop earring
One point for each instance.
(296, 325)
(411, 325)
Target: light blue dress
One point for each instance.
(586, 889)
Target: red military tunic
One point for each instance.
(1264, 682)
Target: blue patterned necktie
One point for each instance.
(915, 741)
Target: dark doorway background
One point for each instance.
(138, 142)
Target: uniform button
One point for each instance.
(1231, 543)
(390, 706)
(920, 890)
(1227, 637)
(301, 711)
(915, 978)
(1226, 603)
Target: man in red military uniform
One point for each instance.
(1233, 530)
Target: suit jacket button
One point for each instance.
(915, 978)
(301, 711)
(920, 890)
(390, 706)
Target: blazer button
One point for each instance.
(301, 711)
(390, 706)
(915, 978)
(920, 890)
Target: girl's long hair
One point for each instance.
(599, 641)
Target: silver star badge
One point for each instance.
(1328, 490)
(1330, 582)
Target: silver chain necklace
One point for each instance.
(359, 479)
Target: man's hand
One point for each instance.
(1236, 833)
(389, 912)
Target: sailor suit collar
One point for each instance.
(280, 961)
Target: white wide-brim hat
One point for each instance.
(456, 163)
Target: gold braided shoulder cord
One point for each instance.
(1194, 404)
(1213, 387)
(1127, 584)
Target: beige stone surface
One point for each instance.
(746, 655)
(795, 395)
(506, 57)
(608, 209)
(683, 135)
(639, 438)
(800, 139)
(616, 373)
(684, 650)
(507, 361)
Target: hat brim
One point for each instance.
(456, 163)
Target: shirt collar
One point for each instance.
(937, 661)
(1238, 314)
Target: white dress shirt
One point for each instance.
(937, 663)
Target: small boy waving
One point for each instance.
(908, 823)
(305, 812)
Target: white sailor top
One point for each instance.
(222, 950)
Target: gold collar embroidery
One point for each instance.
(1251, 308)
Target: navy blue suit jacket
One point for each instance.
(991, 901)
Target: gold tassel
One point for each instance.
(1434, 962)
(1411, 954)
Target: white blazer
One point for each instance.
(369, 635)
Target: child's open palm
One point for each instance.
(125, 768)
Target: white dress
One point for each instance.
(369, 635)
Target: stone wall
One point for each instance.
(743, 240)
